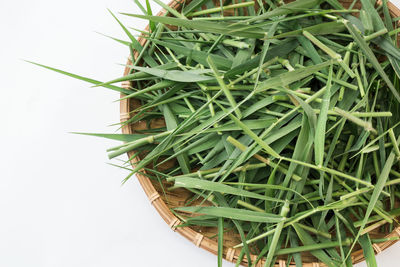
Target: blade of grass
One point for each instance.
(319, 141)
(220, 240)
(368, 251)
(85, 79)
(273, 246)
(196, 183)
(233, 213)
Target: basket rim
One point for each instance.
(197, 238)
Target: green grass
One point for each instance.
(282, 122)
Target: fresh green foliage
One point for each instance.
(281, 119)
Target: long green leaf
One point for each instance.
(188, 182)
(118, 137)
(177, 75)
(85, 79)
(320, 130)
(206, 26)
(234, 214)
(368, 250)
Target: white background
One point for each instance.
(61, 204)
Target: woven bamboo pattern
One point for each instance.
(200, 236)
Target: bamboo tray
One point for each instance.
(200, 235)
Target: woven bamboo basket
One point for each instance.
(204, 237)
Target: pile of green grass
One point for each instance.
(282, 118)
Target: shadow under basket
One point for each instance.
(205, 237)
